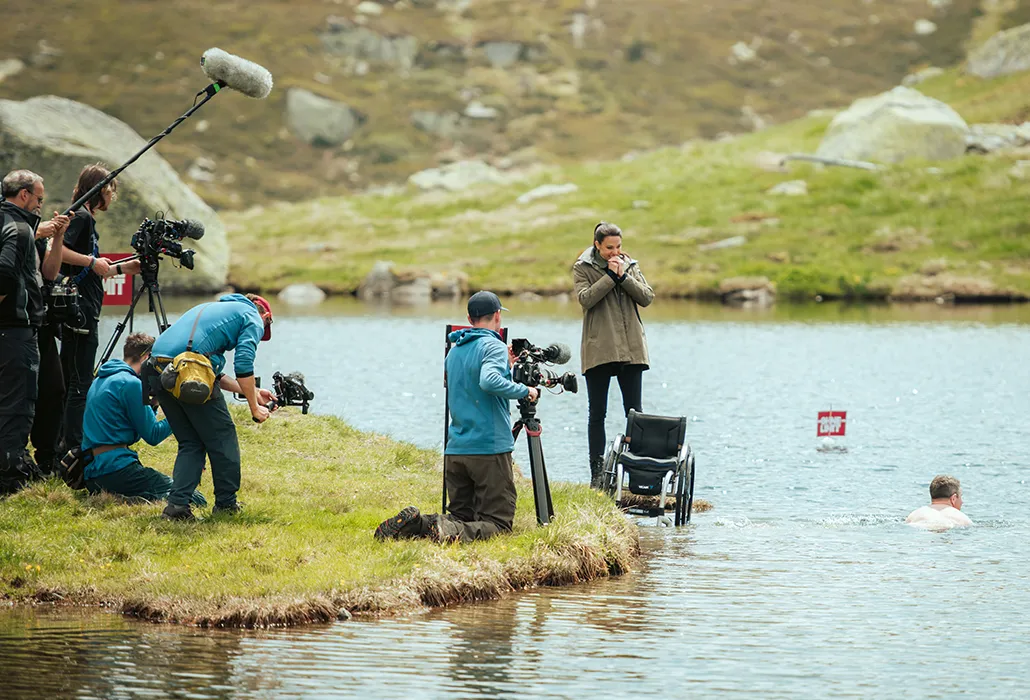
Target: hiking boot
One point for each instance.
(178, 513)
(407, 523)
(441, 529)
(234, 509)
(597, 473)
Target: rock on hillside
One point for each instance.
(55, 137)
(898, 124)
(1005, 52)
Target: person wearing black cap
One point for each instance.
(478, 471)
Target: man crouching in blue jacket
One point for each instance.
(478, 471)
(234, 322)
(115, 418)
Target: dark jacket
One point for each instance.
(20, 279)
(479, 387)
(116, 415)
(82, 237)
(612, 329)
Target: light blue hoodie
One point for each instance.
(479, 387)
(116, 415)
(231, 323)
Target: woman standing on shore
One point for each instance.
(611, 288)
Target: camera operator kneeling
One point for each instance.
(477, 461)
(203, 426)
(117, 417)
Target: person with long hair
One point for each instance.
(87, 270)
(611, 289)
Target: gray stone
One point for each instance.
(9, 67)
(318, 120)
(445, 125)
(546, 191)
(1004, 53)
(742, 53)
(378, 282)
(924, 27)
(413, 292)
(343, 615)
(747, 291)
(305, 294)
(922, 75)
(369, 8)
(988, 138)
(790, 188)
(449, 285)
(477, 110)
(345, 38)
(893, 126)
(459, 176)
(502, 54)
(55, 137)
(1021, 170)
(202, 170)
(733, 242)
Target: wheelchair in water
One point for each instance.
(650, 464)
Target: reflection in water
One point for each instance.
(802, 582)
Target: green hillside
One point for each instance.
(591, 79)
(920, 230)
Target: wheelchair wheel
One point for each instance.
(690, 493)
(608, 472)
(682, 508)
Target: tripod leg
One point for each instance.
(538, 472)
(118, 331)
(159, 312)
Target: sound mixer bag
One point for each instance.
(190, 377)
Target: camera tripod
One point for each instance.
(537, 468)
(150, 285)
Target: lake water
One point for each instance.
(802, 582)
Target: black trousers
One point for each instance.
(46, 428)
(598, 380)
(78, 353)
(19, 371)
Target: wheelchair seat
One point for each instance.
(651, 460)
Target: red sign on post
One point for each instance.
(831, 423)
(117, 288)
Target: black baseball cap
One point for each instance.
(484, 304)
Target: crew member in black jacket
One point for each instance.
(21, 315)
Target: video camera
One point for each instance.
(290, 390)
(527, 367)
(62, 304)
(162, 237)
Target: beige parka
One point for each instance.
(612, 329)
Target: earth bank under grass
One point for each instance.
(302, 551)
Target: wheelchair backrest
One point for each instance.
(655, 436)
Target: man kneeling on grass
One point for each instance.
(116, 417)
(477, 462)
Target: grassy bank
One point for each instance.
(917, 230)
(314, 490)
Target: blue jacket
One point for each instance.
(231, 323)
(116, 415)
(479, 387)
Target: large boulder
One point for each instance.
(1005, 52)
(56, 137)
(457, 177)
(318, 120)
(899, 124)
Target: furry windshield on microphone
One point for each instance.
(237, 73)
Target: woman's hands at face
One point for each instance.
(616, 264)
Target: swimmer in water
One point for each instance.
(945, 509)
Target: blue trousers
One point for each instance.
(137, 481)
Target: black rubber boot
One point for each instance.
(597, 473)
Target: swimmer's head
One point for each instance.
(946, 489)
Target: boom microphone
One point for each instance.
(236, 73)
(558, 353)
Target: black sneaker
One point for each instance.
(234, 509)
(404, 524)
(178, 513)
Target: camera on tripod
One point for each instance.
(528, 368)
(162, 237)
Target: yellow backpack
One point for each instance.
(190, 377)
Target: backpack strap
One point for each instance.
(189, 343)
